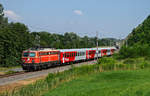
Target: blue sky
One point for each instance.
(111, 18)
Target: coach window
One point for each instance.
(99, 51)
(67, 54)
(52, 53)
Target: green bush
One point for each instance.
(144, 65)
(106, 60)
(129, 61)
(107, 63)
(134, 51)
(127, 52)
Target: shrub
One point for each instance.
(107, 63)
(127, 52)
(134, 51)
(106, 60)
(144, 65)
(129, 61)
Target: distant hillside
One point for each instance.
(108, 41)
(141, 34)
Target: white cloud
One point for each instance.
(12, 15)
(78, 12)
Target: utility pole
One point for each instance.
(37, 42)
(97, 43)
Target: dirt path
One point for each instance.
(19, 84)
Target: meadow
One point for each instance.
(127, 77)
(113, 83)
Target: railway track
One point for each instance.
(13, 74)
(22, 75)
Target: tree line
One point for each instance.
(138, 42)
(16, 37)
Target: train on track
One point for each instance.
(38, 59)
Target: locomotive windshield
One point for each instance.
(27, 54)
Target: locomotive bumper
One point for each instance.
(29, 66)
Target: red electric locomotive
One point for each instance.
(39, 59)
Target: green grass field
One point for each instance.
(114, 83)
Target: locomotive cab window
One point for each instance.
(27, 54)
(32, 54)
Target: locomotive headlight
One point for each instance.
(28, 59)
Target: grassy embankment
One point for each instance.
(116, 77)
(123, 80)
(113, 83)
(8, 70)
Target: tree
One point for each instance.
(13, 39)
(140, 34)
(3, 20)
